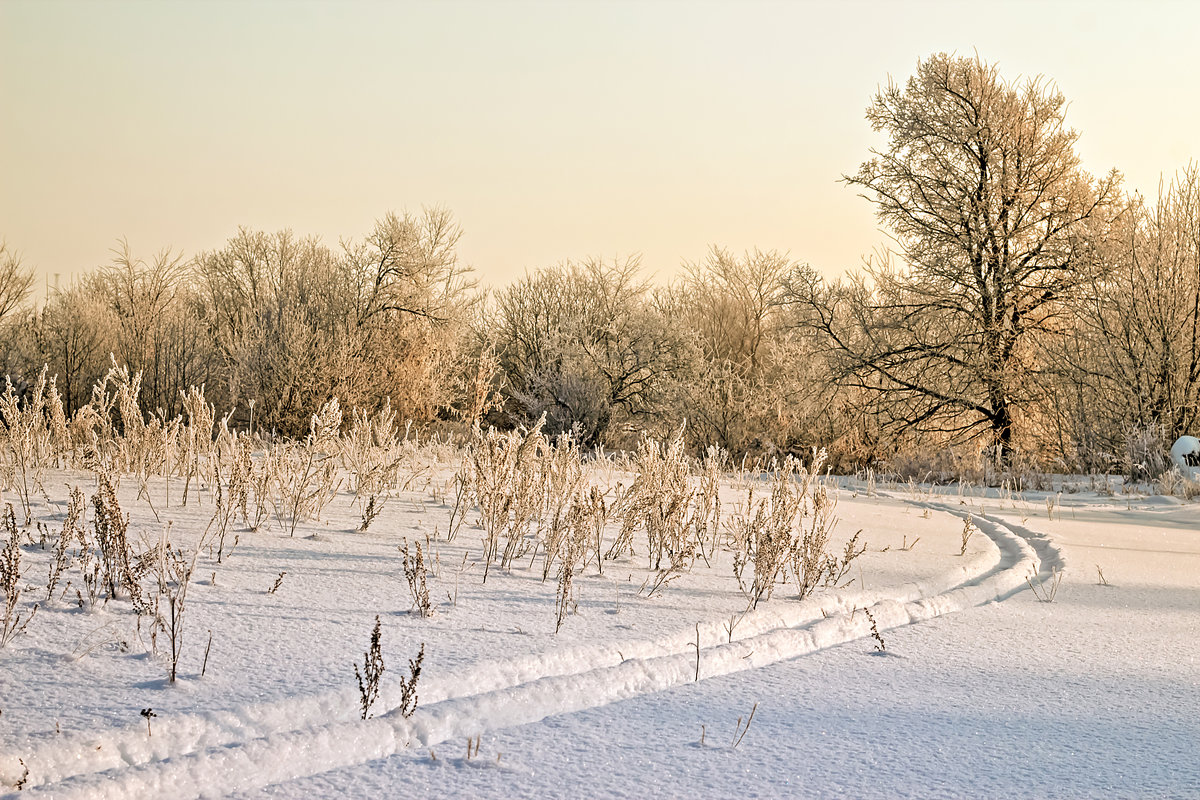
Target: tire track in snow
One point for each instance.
(209, 755)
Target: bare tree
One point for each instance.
(278, 308)
(157, 331)
(297, 322)
(408, 266)
(74, 335)
(734, 303)
(16, 281)
(584, 344)
(995, 220)
(757, 373)
(411, 297)
(1131, 360)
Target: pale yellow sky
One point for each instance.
(551, 130)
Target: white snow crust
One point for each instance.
(982, 690)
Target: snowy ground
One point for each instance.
(982, 690)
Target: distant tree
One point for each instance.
(752, 385)
(408, 266)
(995, 222)
(74, 334)
(16, 281)
(296, 322)
(734, 303)
(17, 322)
(1131, 360)
(278, 308)
(156, 324)
(411, 299)
(582, 343)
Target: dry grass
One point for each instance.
(33, 429)
(658, 503)
(503, 475)
(1046, 589)
(536, 497)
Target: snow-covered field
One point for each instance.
(980, 688)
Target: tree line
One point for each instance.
(1029, 313)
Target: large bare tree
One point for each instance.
(994, 222)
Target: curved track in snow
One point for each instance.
(219, 753)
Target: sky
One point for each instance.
(551, 130)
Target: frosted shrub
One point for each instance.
(562, 475)
(1146, 447)
(658, 502)
(307, 473)
(766, 537)
(504, 478)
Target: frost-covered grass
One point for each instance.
(1079, 697)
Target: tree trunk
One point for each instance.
(1002, 430)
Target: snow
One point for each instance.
(1185, 454)
(982, 689)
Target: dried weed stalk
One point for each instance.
(372, 672)
(408, 686)
(120, 571)
(28, 429)
(370, 512)
(1045, 589)
(968, 531)
(72, 531)
(13, 622)
(416, 572)
(765, 536)
(173, 582)
(307, 477)
(580, 527)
